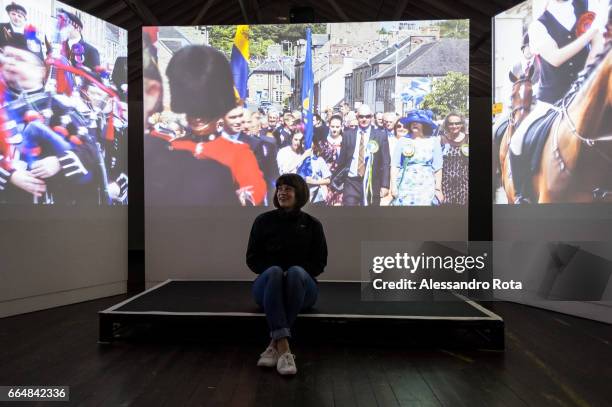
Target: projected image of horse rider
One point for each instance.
(18, 16)
(52, 157)
(76, 49)
(563, 50)
(365, 152)
(416, 165)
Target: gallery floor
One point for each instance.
(550, 360)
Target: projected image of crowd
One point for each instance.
(63, 115)
(364, 148)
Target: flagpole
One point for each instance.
(395, 84)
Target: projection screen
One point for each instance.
(230, 108)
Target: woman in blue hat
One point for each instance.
(416, 164)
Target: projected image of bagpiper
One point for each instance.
(63, 116)
(321, 100)
(554, 142)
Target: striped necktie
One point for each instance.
(361, 158)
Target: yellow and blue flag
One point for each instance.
(240, 61)
(308, 92)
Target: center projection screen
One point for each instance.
(230, 108)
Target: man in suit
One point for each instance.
(76, 49)
(16, 25)
(365, 152)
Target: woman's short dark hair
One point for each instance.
(201, 82)
(302, 193)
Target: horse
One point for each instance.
(576, 164)
(521, 102)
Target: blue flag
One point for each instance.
(240, 62)
(308, 92)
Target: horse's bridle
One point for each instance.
(522, 106)
(588, 141)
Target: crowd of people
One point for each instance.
(63, 116)
(353, 158)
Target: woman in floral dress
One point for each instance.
(416, 163)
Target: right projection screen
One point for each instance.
(553, 129)
(552, 154)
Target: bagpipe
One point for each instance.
(63, 77)
(5, 152)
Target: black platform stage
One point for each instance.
(192, 300)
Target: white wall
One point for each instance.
(210, 243)
(52, 256)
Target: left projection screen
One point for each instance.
(63, 156)
(63, 88)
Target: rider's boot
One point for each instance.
(520, 171)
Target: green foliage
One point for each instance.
(454, 29)
(260, 36)
(447, 94)
(221, 37)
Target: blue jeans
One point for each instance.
(282, 295)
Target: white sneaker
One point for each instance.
(286, 364)
(268, 358)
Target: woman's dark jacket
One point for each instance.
(286, 239)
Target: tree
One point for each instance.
(447, 94)
(454, 28)
(221, 37)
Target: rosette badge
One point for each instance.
(409, 149)
(373, 146)
(465, 149)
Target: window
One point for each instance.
(277, 79)
(278, 96)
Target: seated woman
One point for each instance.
(287, 249)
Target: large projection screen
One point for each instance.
(63, 156)
(556, 230)
(199, 209)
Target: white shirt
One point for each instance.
(564, 14)
(355, 159)
(287, 160)
(72, 42)
(19, 30)
(231, 137)
(320, 170)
